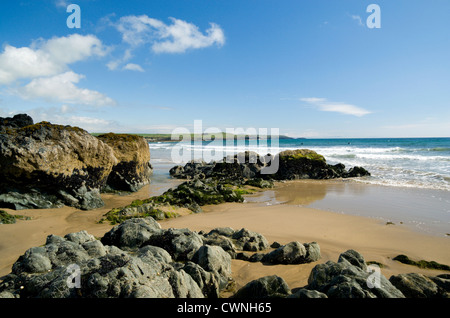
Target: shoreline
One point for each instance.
(282, 222)
(398, 206)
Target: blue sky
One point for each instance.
(310, 68)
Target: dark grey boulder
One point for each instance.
(17, 121)
(246, 240)
(183, 285)
(348, 279)
(293, 253)
(222, 241)
(415, 285)
(207, 281)
(264, 287)
(215, 260)
(181, 244)
(73, 249)
(132, 234)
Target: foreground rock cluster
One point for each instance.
(350, 277)
(47, 166)
(139, 259)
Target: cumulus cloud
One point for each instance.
(46, 58)
(133, 67)
(177, 37)
(62, 88)
(328, 106)
(45, 64)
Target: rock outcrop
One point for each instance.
(47, 166)
(250, 167)
(139, 259)
(133, 169)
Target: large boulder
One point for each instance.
(246, 240)
(181, 244)
(415, 285)
(132, 234)
(264, 287)
(293, 253)
(47, 166)
(350, 277)
(133, 169)
(307, 164)
(215, 260)
(54, 165)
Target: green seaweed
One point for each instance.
(6, 218)
(375, 263)
(422, 263)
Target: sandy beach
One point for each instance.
(281, 222)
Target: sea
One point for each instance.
(413, 171)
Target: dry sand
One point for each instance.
(16, 238)
(283, 223)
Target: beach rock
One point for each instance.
(224, 231)
(133, 169)
(443, 281)
(44, 165)
(293, 253)
(252, 169)
(264, 287)
(132, 234)
(18, 121)
(48, 166)
(306, 293)
(350, 278)
(181, 244)
(222, 241)
(215, 260)
(195, 193)
(72, 249)
(246, 240)
(415, 285)
(207, 281)
(183, 285)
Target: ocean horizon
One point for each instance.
(401, 162)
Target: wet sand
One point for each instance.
(265, 213)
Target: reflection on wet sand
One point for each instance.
(396, 205)
(306, 192)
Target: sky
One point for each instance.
(314, 69)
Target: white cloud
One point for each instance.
(61, 3)
(358, 19)
(177, 37)
(327, 106)
(133, 67)
(62, 88)
(182, 36)
(45, 64)
(46, 58)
